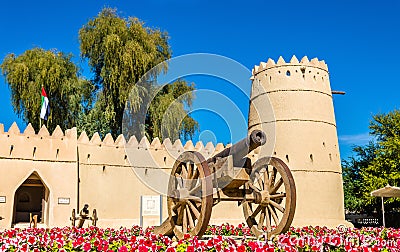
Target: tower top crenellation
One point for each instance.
(315, 62)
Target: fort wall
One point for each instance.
(304, 128)
(112, 175)
(28, 157)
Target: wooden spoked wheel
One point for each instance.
(190, 196)
(94, 217)
(73, 217)
(272, 210)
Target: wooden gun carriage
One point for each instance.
(83, 216)
(266, 190)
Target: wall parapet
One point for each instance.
(42, 146)
(315, 62)
(60, 146)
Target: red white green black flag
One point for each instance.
(45, 109)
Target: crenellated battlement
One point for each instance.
(315, 63)
(62, 147)
(144, 143)
(293, 76)
(42, 146)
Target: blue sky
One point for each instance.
(359, 40)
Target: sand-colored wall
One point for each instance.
(52, 158)
(114, 176)
(295, 108)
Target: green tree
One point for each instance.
(352, 179)
(167, 111)
(69, 94)
(375, 165)
(120, 51)
(384, 169)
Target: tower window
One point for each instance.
(287, 73)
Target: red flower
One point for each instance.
(147, 243)
(123, 249)
(87, 246)
(143, 249)
(31, 240)
(241, 248)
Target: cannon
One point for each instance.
(83, 216)
(265, 189)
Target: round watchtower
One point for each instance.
(303, 128)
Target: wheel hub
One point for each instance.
(263, 198)
(181, 194)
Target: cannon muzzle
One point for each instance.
(242, 148)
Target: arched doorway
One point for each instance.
(30, 199)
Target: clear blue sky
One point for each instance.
(359, 40)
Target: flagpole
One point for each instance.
(40, 119)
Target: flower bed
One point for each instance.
(97, 239)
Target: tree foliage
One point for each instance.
(28, 72)
(375, 165)
(119, 52)
(352, 177)
(167, 110)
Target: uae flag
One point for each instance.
(45, 109)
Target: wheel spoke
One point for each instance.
(196, 174)
(184, 171)
(179, 180)
(272, 178)
(194, 198)
(262, 218)
(194, 209)
(258, 209)
(278, 195)
(266, 177)
(277, 206)
(277, 186)
(184, 224)
(274, 216)
(260, 181)
(177, 205)
(254, 187)
(195, 189)
(189, 216)
(190, 170)
(268, 217)
(192, 181)
(180, 215)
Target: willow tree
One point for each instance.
(119, 52)
(166, 116)
(69, 95)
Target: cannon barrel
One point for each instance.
(241, 148)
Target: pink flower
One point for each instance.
(123, 249)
